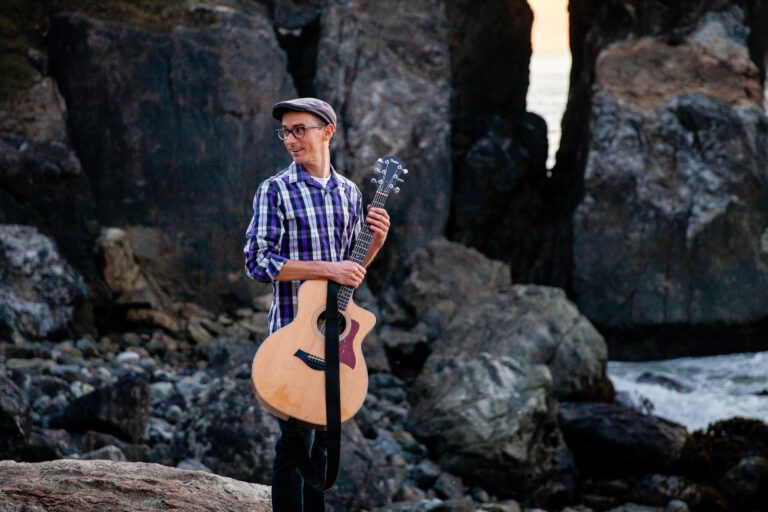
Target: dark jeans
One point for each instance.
(289, 492)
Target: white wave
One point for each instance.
(721, 387)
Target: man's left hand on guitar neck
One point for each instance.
(378, 221)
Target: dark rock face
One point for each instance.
(687, 175)
(613, 439)
(121, 408)
(174, 128)
(14, 419)
(384, 66)
(39, 291)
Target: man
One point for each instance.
(306, 219)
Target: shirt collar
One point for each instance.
(298, 172)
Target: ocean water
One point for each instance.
(696, 391)
(548, 93)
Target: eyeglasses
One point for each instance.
(297, 132)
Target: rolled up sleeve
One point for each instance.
(264, 236)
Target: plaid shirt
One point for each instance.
(295, 218)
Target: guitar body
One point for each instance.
(288, 375)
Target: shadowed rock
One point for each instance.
(96, 486)
(39, 291)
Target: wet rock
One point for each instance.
(15, 424)
(95, 486)
(121, 408)
(664, 381)
(391, 89)
(609, 439)
(487, 419)
(39, 291)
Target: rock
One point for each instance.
(109, 452)
(208, 77)
(480, 311)
(677, 506)
(684, 165)
(193, 465)
(121, 408)
(664, 381)
(226, 430)
(535, 325)
(710, 453)
(391, 90)
(426, 473)
(634, 507)
(488, 419)
(48, 444)
(15, 423)
(610, 439)
(746, 485)
(122, 487)
(224, 355)
(433, 289)
(39, 291)
(448, 487)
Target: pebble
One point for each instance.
(160, 391)
(68, 372)
(173, 414)
(128, 357)
(109, 452)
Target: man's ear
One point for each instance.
(328, 132)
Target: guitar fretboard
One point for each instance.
(360, 250)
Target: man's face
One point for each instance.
(310, 148)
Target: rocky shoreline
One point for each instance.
(500, 425)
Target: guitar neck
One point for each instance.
(360, 250)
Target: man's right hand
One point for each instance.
(347, 273)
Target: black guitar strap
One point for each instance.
(332, 402)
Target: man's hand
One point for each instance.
(347, 273)
(378, 221)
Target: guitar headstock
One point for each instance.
(387, 172)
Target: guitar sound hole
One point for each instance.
(321, 323)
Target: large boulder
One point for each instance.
(173, 126)
(98, 485)
(679, 154)
(385, 67)
(39, 291)
(610, 439)
(535, 325)
(478, 310)
(488, 419)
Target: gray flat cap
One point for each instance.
(312, 105)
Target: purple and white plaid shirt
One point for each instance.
(295, 218)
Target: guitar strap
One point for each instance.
(332, 402)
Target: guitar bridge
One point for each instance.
(314, 362)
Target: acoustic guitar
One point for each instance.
(288, 372)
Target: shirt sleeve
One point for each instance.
(356, 224)
(263, 260)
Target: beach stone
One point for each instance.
(98, 485)
(109, 452)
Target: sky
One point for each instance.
(550, 26)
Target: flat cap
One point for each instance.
(312, 105)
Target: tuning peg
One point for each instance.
(405, 171)
(400, 180)
(374, 180)
(397, 190)
(379, 161)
